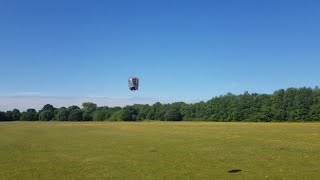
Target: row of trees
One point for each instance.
(293, 104)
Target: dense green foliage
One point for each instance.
(293, 104)
(46, 115)
(62, 114)
(75, 115)
(29, 115)
(3, 116)
(16, 114)
(173, 114)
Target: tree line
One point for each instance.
(292, 104)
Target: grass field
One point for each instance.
(159, 150)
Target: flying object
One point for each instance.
(133, 83)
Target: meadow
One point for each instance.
(159, 150)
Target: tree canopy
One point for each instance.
(292, 104)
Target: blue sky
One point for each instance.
(180, 49)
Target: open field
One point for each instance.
(159, 150)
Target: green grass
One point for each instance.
(159, 150)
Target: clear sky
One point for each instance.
(180, 49)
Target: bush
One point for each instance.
(3, 116)
(99, 115)
(173, 114)
(29, 115)
(75, 115)
(87, 116)
(62, 115)
(46, 115)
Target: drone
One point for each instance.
(133, 83)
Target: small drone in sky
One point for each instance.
(133, 83)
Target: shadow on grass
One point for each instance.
(235, 171)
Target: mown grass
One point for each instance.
(159, 150)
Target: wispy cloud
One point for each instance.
(37, 102)
(28, 93)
